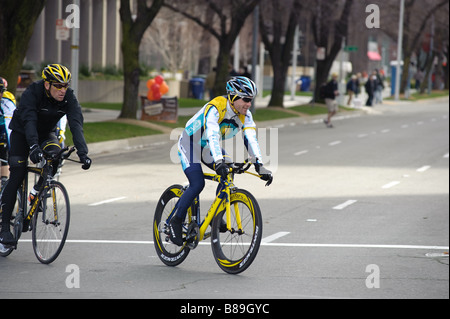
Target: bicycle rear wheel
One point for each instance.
(235, 250)
(169, 253)
(51, 223)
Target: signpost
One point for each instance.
(62, 31)
(351, 48)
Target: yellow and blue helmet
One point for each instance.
(56, 73)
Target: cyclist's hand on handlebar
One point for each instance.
(266, 175)
(36, 154)
(86, 161)
(221, 169)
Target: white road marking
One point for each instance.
(362, 135)
(446, 155)
(207, 243)
(343, 205)
(391, 184)
(385, 131)
(335, 143)
(107, 201)
(274, 237)
(423, 168)
(358, 246)
(301, 153)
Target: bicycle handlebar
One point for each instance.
(61, 154)
(240, 168)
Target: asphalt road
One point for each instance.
(357, 211)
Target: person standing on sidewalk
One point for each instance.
(331, 92)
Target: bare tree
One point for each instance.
(230, 17)
(133, 29)
(276, 27)
(330, 26)
(416, 24)
(173, 38)
(17, 20)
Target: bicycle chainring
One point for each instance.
(192, 236)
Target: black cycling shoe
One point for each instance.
(7, 238)
(176, 227)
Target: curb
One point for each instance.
(140, 142)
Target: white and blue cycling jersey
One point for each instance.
(200, 140)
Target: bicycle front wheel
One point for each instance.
(51, 223)
(235, 249)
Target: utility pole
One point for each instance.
(75, 53)
(399, 50)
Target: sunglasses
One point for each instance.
(60, 86)
(247, 99)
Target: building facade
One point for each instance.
(99, 34)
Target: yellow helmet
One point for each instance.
(56, 73)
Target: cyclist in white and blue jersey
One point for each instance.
(223, 117)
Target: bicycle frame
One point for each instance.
(45, 173)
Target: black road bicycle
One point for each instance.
(47, 216)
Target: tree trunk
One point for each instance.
(17, 20)
(130, 50)
(133, 31)
(222, 73)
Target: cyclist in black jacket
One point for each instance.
(41, 106)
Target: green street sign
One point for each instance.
(351, 48)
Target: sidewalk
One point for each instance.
(97, 115)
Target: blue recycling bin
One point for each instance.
(394, 75)
(197, 87)
(306, 83)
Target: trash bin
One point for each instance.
(306, 83)
(197, 87)
(394, 74)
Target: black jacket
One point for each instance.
(38, 114)
(330, 88)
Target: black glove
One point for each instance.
(86, 162)
(36, 154)
(221, 169)
(266, 175)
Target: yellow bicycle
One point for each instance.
(234, 246)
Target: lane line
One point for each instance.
(423, 168)
(107, 201)
(391, 184)
(301, 153)
(274, 236)
(207, 243)
(335, 143)
(343, 205)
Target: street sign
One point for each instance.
(62, 31)
(351, 48)
(321, 53)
